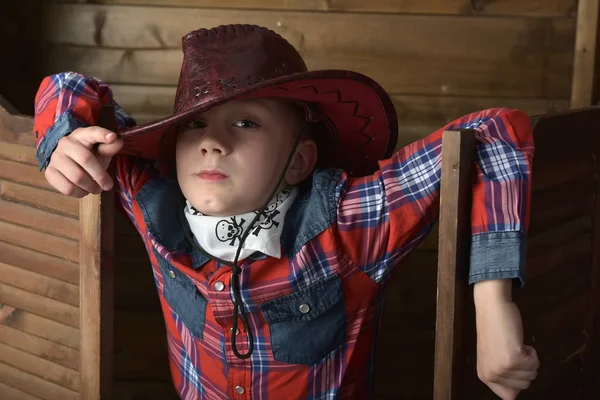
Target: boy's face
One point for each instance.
(230, 158)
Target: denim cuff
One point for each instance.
(498, 255)
(63, 126)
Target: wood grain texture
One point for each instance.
(586, 47)
(18, 152)
(10, 393)
(23, 174)
(40, 263)
(528, 58)
(96, 215)
(563, 8)
(44, 328)
(39, 220)
(46, 349)
(67, 249)
(39, 198)
(453, 253)
(39, 367)
(39, 305)
(34, 385)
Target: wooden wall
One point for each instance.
(39, 275)
(438, 58)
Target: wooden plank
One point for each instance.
(18, 152)
(563, 8)
(10, 393)
(16, 128)
(40, 263)
(97, 218)
(454, 240)
(514, 66)
(24, 174)
(44, 328)
(37, 366)
(39, 305)
(39, 284)
(56, 246)
(39, 198)
(586, 44)
(33, 385)
(39, 220)
(53, 352)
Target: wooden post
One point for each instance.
(453, 259)
(583, 87)
(96, 215)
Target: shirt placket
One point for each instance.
(220, 298)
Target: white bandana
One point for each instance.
(221, 236)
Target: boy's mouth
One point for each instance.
(212, 175)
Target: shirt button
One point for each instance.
(219, 286)
(237, 331)
(304, 308)
(239, 390)
(172, 274)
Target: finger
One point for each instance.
(62, 184)
(533, 355)
(93, 135)
(519, 374)
(514, 383)
(106, 152)
(530, 360)
(505, 393)
(77, 175)
(90, 164)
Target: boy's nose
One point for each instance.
(211, 144)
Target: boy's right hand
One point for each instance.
(78, 165)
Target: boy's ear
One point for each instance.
(303, 163)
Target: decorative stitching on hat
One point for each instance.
(355, 113)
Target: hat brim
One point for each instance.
(361, 112)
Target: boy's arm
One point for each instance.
(384, 216)
(68, 101)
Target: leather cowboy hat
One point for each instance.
(232, 62)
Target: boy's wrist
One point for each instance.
(492, 292)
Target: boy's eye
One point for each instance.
(246, 123)
(196, 124)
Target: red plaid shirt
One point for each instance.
(313, 313)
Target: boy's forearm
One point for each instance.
(491, 292)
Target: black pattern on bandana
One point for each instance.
(230, 230)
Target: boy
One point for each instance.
(271, 272)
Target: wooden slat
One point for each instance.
(39, 305)
(44, 328)
(10, 393)
(513, 66)
(96, 213)
(40, 263)
(16, 128)
(39, 220)
(563, 8)
(57, 246)
(557, 173)
(37, 366)
(22, 173)
(542, 241)
(18, 152)
(39, 198)
(586, 46)
(454, 227)
(33, 385)
(39, 284)
(53, 352)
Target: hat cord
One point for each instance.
(238, 307)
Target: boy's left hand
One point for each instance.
(504, 363)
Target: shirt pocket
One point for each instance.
(184, 298)
(307, 325)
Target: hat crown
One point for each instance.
(220, 61)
